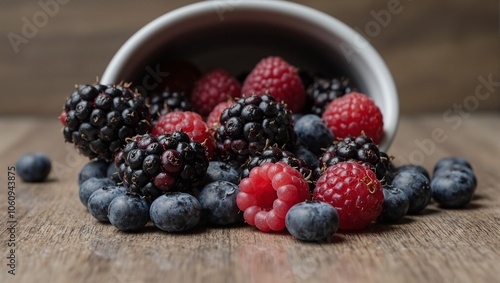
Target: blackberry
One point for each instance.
(251, 124)
(274, 154)
(165, 102)
(323, 91)
(362, 150)
(150, 165)
(99, 118)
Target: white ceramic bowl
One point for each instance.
(235, 35)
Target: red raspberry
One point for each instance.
(275, 76)
(354, 191)
(353, 114)
(214, 87)
(189, 122)
(62, 118)
(268, 193)
(214, 116)
(180, 76)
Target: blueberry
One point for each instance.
(100, 199)
(416, 187)
(312, 221)
(112, 172)
(128, 212)
(33, 167)
(447, 161)
(221, 171)
(91, 185)
(175, 212)
(311, 160)
(313, 133)
(395, 205)
(453, 189)
(444, 170)
(218, 203)
(96, 168)
(414, 167)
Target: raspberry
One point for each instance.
(189, 122)
(214, 87)
(276, 77)
(268, 193)
(353, 114)
(354, 191)
(62, 118)
(213, 118)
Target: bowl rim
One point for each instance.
(369, 55)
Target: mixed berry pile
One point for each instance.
(276, 149)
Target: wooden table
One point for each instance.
(58, 241)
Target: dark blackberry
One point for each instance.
(99, 118)
(324, 91)
(150, 165)
(274, 154)
(362, 150)
(165, 102)
(251, 124)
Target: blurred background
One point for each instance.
(436, 50)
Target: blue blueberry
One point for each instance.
(416, 187)
(112, 172)
(221, 171)
(444, 170)
(96, 168)
(313, 133)
(395, 205)
(33, 167)
(453, 189)
(447, 161)
(128, 212)
(99, 201)
(312, 221)
(218, 203)
(175, 212)
(311, 160)
(414, 167)
(91, 185)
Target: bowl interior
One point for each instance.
(238, 39)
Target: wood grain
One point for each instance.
(436, 50)
(58, 241)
